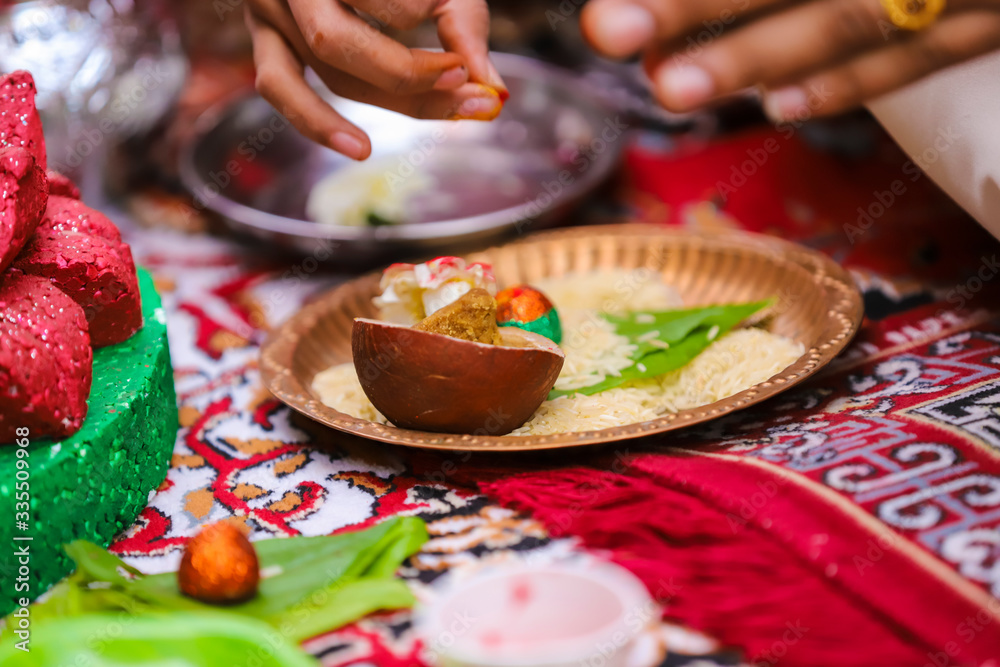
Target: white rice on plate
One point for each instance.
(734, 362)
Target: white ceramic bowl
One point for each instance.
(583, 612)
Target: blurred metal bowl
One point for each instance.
(552, 144)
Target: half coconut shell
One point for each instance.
(432, 382)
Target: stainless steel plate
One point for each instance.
(551, 145)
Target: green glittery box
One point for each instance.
(93, 484)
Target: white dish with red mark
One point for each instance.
(579, 612)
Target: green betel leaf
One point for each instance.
(340, 605)
(177, 639)
(318, 565)
(668, 340)
(404, 539)
(310, 584)
(96, 564)
(672, 326)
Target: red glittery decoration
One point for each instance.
(97, 273)
(45, 359)
(61, 186)
(20, 124)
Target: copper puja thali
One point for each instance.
(818, 306)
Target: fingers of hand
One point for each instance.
(280, 81)
(400, 14)
(470, 101)
(951, 40)
(341, 38)
(464, 28)
(622, 28)
(775, 48)
(332, 33)
(431, 104)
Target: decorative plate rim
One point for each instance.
(844, 314)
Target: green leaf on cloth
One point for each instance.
(156, 639)
(666, 340)
(309, 585)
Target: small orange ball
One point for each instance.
(521, 303)
(219, 566)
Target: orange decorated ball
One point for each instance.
(219, 566)
(525, 307)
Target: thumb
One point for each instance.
(464, 28)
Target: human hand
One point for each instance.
(811, 57)
(357, 61)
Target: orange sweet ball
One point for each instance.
(219, 566)
(521, 303)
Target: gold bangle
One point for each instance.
(913, 14)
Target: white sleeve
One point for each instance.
(949, 124)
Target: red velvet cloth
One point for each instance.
(760, 562)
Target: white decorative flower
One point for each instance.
(411, 292)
